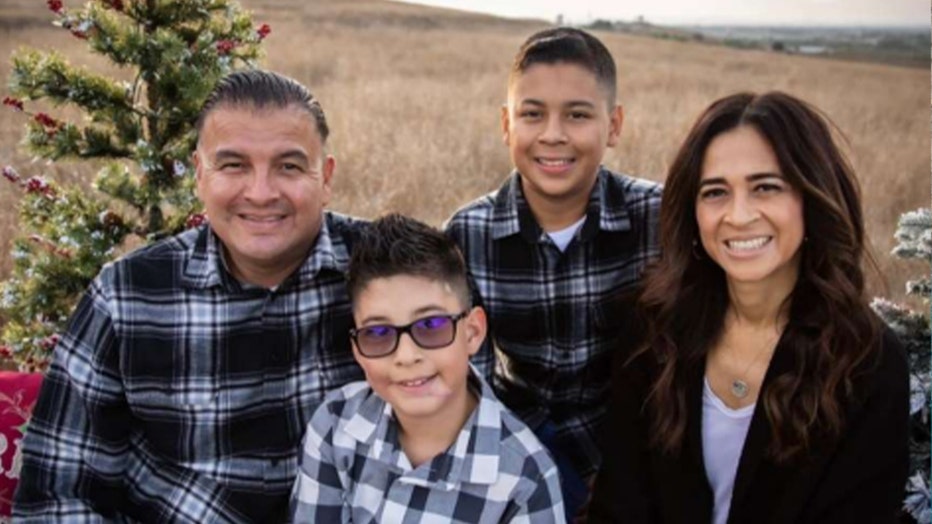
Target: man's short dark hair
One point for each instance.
(572, 46)
(398, 245)
(261, 89)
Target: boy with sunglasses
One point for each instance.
(423, 439)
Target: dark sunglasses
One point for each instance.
(433, 332)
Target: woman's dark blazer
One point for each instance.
(860, 479)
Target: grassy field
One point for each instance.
(413, 93)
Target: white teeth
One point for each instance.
(554, 162)
(414, 383)
(747, 245)
(262, 219)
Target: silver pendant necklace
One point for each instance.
(739, 387)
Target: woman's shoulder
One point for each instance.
(886, 374)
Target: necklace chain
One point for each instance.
(739, 386)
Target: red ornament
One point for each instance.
(37, 185)
(10, 174)
(263, 31)
(46, 121)
(225, 46)
(49, 342)
(56, 6)
(6, 352)
(15, 103)
(195, 220)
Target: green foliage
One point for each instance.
(914, 234)
(174, 51)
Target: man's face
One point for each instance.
(557, 125)
(264, 180)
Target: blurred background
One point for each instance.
(412, 92)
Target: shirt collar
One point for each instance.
(206, 268)
(606, 211)
(473, 457)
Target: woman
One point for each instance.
(765, 390)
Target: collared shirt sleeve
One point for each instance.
(77, 449)
(75, 446)
(545, 503)
(318, 490)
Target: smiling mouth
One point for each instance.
(748, 244)
(554, 162)
(262, 218)
(417, 382)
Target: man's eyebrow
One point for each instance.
(226, 154)
(571, 103)
(293, 153)
(532, 102)
(577, 103)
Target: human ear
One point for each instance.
(476, 325)
(616, 119)
(506, 124)
(327, 175)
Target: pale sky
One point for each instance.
(686, 12)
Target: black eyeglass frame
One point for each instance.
(401, 330)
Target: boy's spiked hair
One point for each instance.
(572, 46)
(397, 245)
(263, 89)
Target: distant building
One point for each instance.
(812, 50)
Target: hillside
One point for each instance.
(413, 95)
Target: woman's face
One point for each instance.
(750, 218)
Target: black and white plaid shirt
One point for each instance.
(554, 315)
(354, 470)
(179, 395)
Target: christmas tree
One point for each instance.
(174, 51)
(914, 234)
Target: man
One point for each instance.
(190, 368)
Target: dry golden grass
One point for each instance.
(413, 95)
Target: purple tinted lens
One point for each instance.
(433, 332)
(376, 340)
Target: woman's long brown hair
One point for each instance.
(830, 328)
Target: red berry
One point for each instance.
(195, 220)
(225, 46)
(14, 103)
(10, 174)
(263, 31)
(37, 185)
(55, 6)
(46, 120)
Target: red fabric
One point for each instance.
(18, 392)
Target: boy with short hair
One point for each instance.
(552, 249)
(424, 438)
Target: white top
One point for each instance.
(563, 237)
(723, 433)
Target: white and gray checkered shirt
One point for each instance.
(354, 470)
